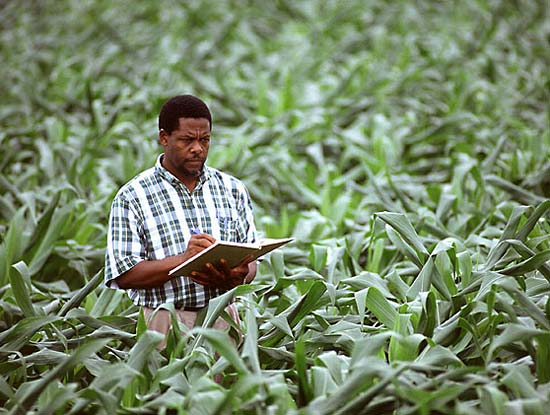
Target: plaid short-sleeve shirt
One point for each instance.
(153, 216)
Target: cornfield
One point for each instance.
(405, 146)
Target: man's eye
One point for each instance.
(205, 140)
(186, 141)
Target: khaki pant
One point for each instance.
(161, 322)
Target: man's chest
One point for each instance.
(171, 217)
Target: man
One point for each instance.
(172, 211)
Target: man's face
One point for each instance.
(186, 148)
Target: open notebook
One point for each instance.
(232, 252)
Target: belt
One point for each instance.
(189, 308)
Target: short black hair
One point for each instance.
(182, 106)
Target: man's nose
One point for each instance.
(196, 146)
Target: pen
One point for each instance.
(195, 231)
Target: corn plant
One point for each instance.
(403, 145)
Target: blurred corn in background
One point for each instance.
(404, 146)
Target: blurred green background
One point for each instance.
(331, 112)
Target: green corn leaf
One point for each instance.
(337, 365)
(526, 406)
(297, 311)
(464, 268)
(6, 389)
(360, 379)
(509, 232)
(46, 241)
(529, 307)
(381, 307)
(375, 255)
(537, 261)
(528, 253)
(429, 317)
(304, 387)
(520, 380)
(107, 302)
(532, 220)
(250, 347)
(365, 348)
(322, 383)
(62, 397)
(113, 379)
(28, 398)
(276, 259)
(13, 245)
(307, 303)
(404, 346)
(543, 358)
(77, 299)
(17, 336)
(445, 271)
(361, 302)
(522, 195)
(438, 356)
(21, 287)
(402, 246)
(43, 357)
(423, 281)
(493, 400)
(141, 325)
(511, 334)
(403, 226)
(397, 285)
(140, 352)
(363, 399)
(369, 279)
(318, 257)
(223, 345)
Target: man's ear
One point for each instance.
(163, 137)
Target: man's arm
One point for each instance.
(151, 274)
(252, 268)
(224, 277)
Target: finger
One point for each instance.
(240, 271)
(225, 277)
(214, 271)
(246, 260)
(203, 238)
(201, 282)
(224, 266)
(198, 243)
(218, 277)
(201, 278)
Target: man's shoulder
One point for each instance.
(224, 178)
(144, 180)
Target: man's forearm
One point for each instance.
(252, 267)
(149, 274)
(152, 274)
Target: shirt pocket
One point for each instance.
(229, 228)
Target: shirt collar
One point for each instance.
(159, 169)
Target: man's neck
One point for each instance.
(190, 182)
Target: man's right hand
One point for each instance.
(196, 244)
(154, 273)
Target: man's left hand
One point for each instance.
(222, 276)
